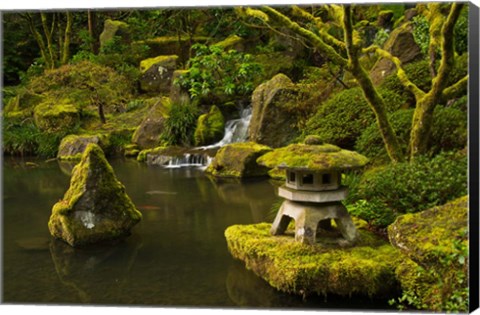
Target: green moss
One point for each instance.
(436, 242)
(229, 42)
(23, 100)
(94, 190)
(167, 62)
(427, 236)
(314, 157)
(238, 160)
(324, 268)
(55, 115)
(210, 127)
(114, 28)
(341, 119)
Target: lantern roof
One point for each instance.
(320, 158)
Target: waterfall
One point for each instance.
(236, 130)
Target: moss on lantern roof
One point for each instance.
(324, 157)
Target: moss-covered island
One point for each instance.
(325, 268)
(96, 207)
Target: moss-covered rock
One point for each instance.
(238, 160)
(324, 268)
(165, 155)
(313, 157)
(427, 237)
(95, 208)
(72, 146)
(53, 116)
(400, 44)
(177, 92)
(210, 127)
(172, 45)
(111, 29)
(157, 73)
(131, 151)
(271, 123)
(148, 132)
(434, 276)
(232, 42)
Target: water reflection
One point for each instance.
(81, 270)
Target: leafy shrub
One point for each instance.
(87, 84)
(381, 37)
(215, 71)
(449, 132)
(22, 137)
(418, 72)
(421, 29)
(19, 136)
(180, 124)
(409, 187)
(341, 119)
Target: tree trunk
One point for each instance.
(48, 31)
(92, 31)
(68, 35)
(370, 92)
(423, 115)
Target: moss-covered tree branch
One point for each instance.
(423, 116)
(371, 94)
(456, 90)
(401, 74)
(328, 50)
(322, 29)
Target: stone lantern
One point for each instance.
(313, 189)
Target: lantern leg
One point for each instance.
(280, 224)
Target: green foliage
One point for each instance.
(461, 32)
(418, 72)
(421, 34)
(380, 37)
(409, 187)
(86, 84)
(22, 137)
(210, 127)
(215, 71)
(19, 136)
(341, 119)
(180, 123)
(449, 132)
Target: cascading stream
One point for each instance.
(236, 130)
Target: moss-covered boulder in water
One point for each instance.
(112, 29)
(271, 122)
(72, 146)
(95, 208)
(324, 268)
(238, 160)
(53, 116)
(157, 73)
(210, 127)
(435, 274)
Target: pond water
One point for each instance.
(177, 255)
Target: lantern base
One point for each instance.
(307, 216)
